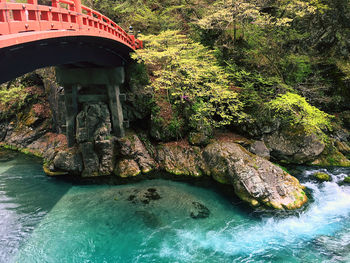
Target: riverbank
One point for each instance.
(163, 220)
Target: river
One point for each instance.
(43, 219)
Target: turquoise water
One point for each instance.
(47, 220)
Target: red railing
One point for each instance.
(62, 15)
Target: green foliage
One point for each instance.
(297, 67)
(294, 110)
(187, 73)
(13, 98)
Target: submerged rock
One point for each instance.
(149, 219)
(254, 179)
(144, 196)
(200, 211)
(6, 155)
(323, 177)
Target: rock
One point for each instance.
(198, 138)
(3, 131)
(331, 156)
(294, 146)
(340, 134)
(90, 160)
(149, 219)
(181, 159)
(23, 137)
(200, 211)
(127, 168)
(68, 161)
(259, 148)
(347, 180)
(343, 147)
(131, 147)
(254, 179)
(49, 155)
(7, 155)
(345, 118)
(256, 128)
(144, 196)
(93, 123)
(322, 177)
(106, 152)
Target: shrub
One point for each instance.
(294, 110)
(187, 73)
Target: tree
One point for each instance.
(188, 74)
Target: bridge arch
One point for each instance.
(66, 33)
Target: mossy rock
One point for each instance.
(331, 156)
(48, 172)
(323, 177)
(347, 180)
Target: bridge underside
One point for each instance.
(75, 52)
(85, 86)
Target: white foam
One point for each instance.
(324, 217)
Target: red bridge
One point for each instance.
(66, 33)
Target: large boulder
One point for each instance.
(294, 145)
(259, 148)
(90, 160)
(131, 147)
(254, 179)
(105, 150)
(181, 159)
(69, 161)
(127, 168)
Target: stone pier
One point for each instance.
(91, 85)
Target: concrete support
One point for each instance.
(115, 107)
(71, 103)
(85, 79)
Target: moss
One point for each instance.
(48, 172)
(282, 167)
(331, 157)
(221, 179)
(323, 177)
(347, 180)
(25, 151)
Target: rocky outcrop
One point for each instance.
(259, 148)
(181, 159)
(3, 130)
(127, 168)
(131, 147)
(93, 135)
(98, 153)
(294, 145)
(68, 161)
(331, 156)
(254, 179)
